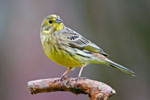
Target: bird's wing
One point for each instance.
(75, 40)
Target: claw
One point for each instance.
(79, 78)
(62, 78)
(82, 78)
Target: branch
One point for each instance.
(96, 90)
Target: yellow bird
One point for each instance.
(68, 48)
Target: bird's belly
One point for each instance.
(62, 57)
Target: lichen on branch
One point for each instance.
(96, 90)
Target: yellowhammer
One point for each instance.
(68, 48)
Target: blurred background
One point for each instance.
(120, 27)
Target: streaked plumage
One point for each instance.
(68, 48)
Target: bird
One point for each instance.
(68, 48)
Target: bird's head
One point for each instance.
(52, 23)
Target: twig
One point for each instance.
(96, 90)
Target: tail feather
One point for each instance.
(104, 60)
(121, 68)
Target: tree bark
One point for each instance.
(96, 90)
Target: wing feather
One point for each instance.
(75, 40)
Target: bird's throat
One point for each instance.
(59, 26)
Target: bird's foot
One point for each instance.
(61, 81)
(79, 78)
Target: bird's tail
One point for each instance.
(120, 67)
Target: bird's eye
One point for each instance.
(50, 22)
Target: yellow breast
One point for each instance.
(60, 56)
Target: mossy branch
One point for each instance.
(96, 90)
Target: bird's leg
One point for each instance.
(65, 73)
(81, 69)
(63, 76)
(79, 75)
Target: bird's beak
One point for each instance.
(59, 20)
